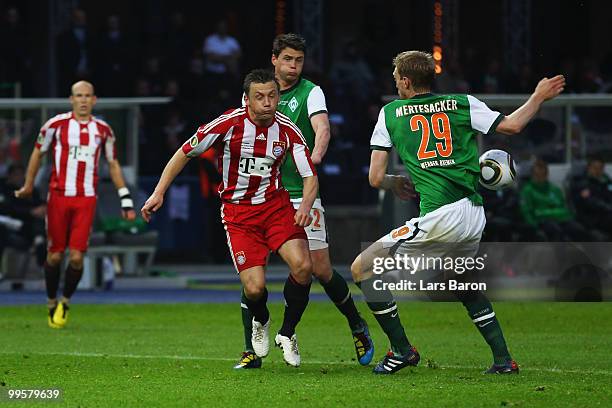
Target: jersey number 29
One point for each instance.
(441, 130)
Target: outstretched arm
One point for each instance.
(547, 88)
(172, 169)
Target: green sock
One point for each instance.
(387, 316)
(339, 293)
(481, 312)
(247, 322)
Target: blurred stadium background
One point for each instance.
(156, 84)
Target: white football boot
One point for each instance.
(260, 338)
(291, 354)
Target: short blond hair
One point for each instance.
(80, 83)
(418, 66)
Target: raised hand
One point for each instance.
(549, 88)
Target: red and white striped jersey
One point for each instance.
(250, 156)
(75, 148)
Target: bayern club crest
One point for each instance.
(240, 258)
(278, 148)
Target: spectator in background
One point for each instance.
(590, 80)
(30, 212)
(492, 80)
(194, 82)
(592, 198)
(112, 59)
(152, 72)
(452, 80)
(503, 215)
(5, 157)
(474, 73)
(172, 89)
(74, 51)
(4, 162)
(150, 121)
(351, 75)
(174, 131)
(222, 52)
(606, 72)
(210, 178)
(15, 66)
(544, 208)
(142, 88)
(179, 45)
(522, 81)
(352, 83)
(570, 71)
(153, 114)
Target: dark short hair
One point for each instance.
(259, 76)
(595, 158)
(539, 162)
(418, 66)
(290, 40)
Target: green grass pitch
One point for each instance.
(182, 355)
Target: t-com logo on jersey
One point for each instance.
(257, 166)
(83, 153)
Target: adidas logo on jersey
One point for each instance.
(261, 137)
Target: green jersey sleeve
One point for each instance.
(483, 119)
(315, 103)
(381, 139)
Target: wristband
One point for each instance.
(126, 199)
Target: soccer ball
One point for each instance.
(497, 169)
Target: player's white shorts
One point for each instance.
(434, 234)
(317, 230)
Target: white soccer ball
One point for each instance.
(497, 169)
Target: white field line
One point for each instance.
(310, 362)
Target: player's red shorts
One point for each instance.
(69, 221)
(255, 230)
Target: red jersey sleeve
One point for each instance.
(110, 150)
(207, 135)
(45, 136)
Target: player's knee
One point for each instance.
(323, 272)
(302, 270)
(54, 258)
(356, 269)
(254, 289)
(76, 259)
(321, 266)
